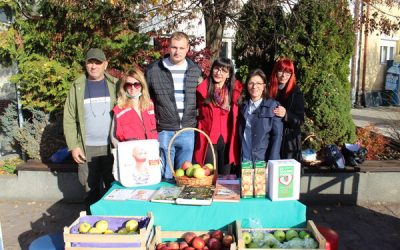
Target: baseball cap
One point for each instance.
(97, 54)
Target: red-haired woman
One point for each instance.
(283, 88)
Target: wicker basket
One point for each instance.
(191, 181)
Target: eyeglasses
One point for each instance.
(284, 73)
(221, 70)
(136, 85)
(255, 84)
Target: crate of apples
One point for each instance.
(122, 232)
(195, 170)
(196, 240)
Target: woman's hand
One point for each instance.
(280, 111)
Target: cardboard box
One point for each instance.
(284, 179)
(140, 241)
(246, 182)
(165, 236)
(311, 228)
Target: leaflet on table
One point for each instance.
(166, 194)
(195, 196)
(227, 191)
(129, 194)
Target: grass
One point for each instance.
(8, 166)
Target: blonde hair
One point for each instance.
(178, 35)
(144, 100)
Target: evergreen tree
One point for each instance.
(318, 36)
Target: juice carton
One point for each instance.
(283, 179)
(260, 180)
(246, 187)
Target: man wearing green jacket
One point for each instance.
(87, 120)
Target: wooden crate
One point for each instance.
(310, 228)
(160, 236)
(140, 241)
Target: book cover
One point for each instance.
(142, 194)
(227, 191)
(119, 194)
(195, 196)
(166, 194)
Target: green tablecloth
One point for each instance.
(258, 212)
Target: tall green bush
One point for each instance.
(320, 40)
(318, 36)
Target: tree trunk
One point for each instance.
(215, 20)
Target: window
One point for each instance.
(387, 51)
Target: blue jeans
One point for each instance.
(181, 150)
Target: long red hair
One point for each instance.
(285, 65)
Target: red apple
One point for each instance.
(214, 244)
(206, 237)
(198, 243)
(183, 245)
(189, 237)
(186, 165)
(227, 240)
(173, 245)
(217, 234)
(165, 248)
(205, 248)
(207, 171)
(189, 248)
(160, 246)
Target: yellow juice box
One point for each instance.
(246, 187)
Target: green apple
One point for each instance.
(279, 235)
(303, 234)
(84, 227)
(189, 172)
(108, 231)
(123, 231)
(210, 166)
(102, 225)
(196, 165)
(199, 173)
(95, 230)
(180, 172)
(247, 238)
(252, 245)
(132, 225)
(290, 234)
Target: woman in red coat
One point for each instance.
(134, 117)
(217, 104)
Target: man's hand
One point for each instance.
(280, 111)
(78, 155)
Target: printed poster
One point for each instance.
(139, 163)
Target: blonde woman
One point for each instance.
(134, 117)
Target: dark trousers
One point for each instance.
(98, 172)
(221, 151)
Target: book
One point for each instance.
(195, 196)
(166, 194)
(119, 194)
(227, 191)
(142, 194)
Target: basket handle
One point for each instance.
(209, 142)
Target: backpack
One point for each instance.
(354, 154)
(333, 157)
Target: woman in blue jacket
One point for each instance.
(260, 130)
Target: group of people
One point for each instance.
(257, 120)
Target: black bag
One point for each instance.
(333, 157)
(354, 154)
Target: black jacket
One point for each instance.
(291, 141)
(161, 88)
(266, 130)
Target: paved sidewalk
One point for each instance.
(386, 119)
